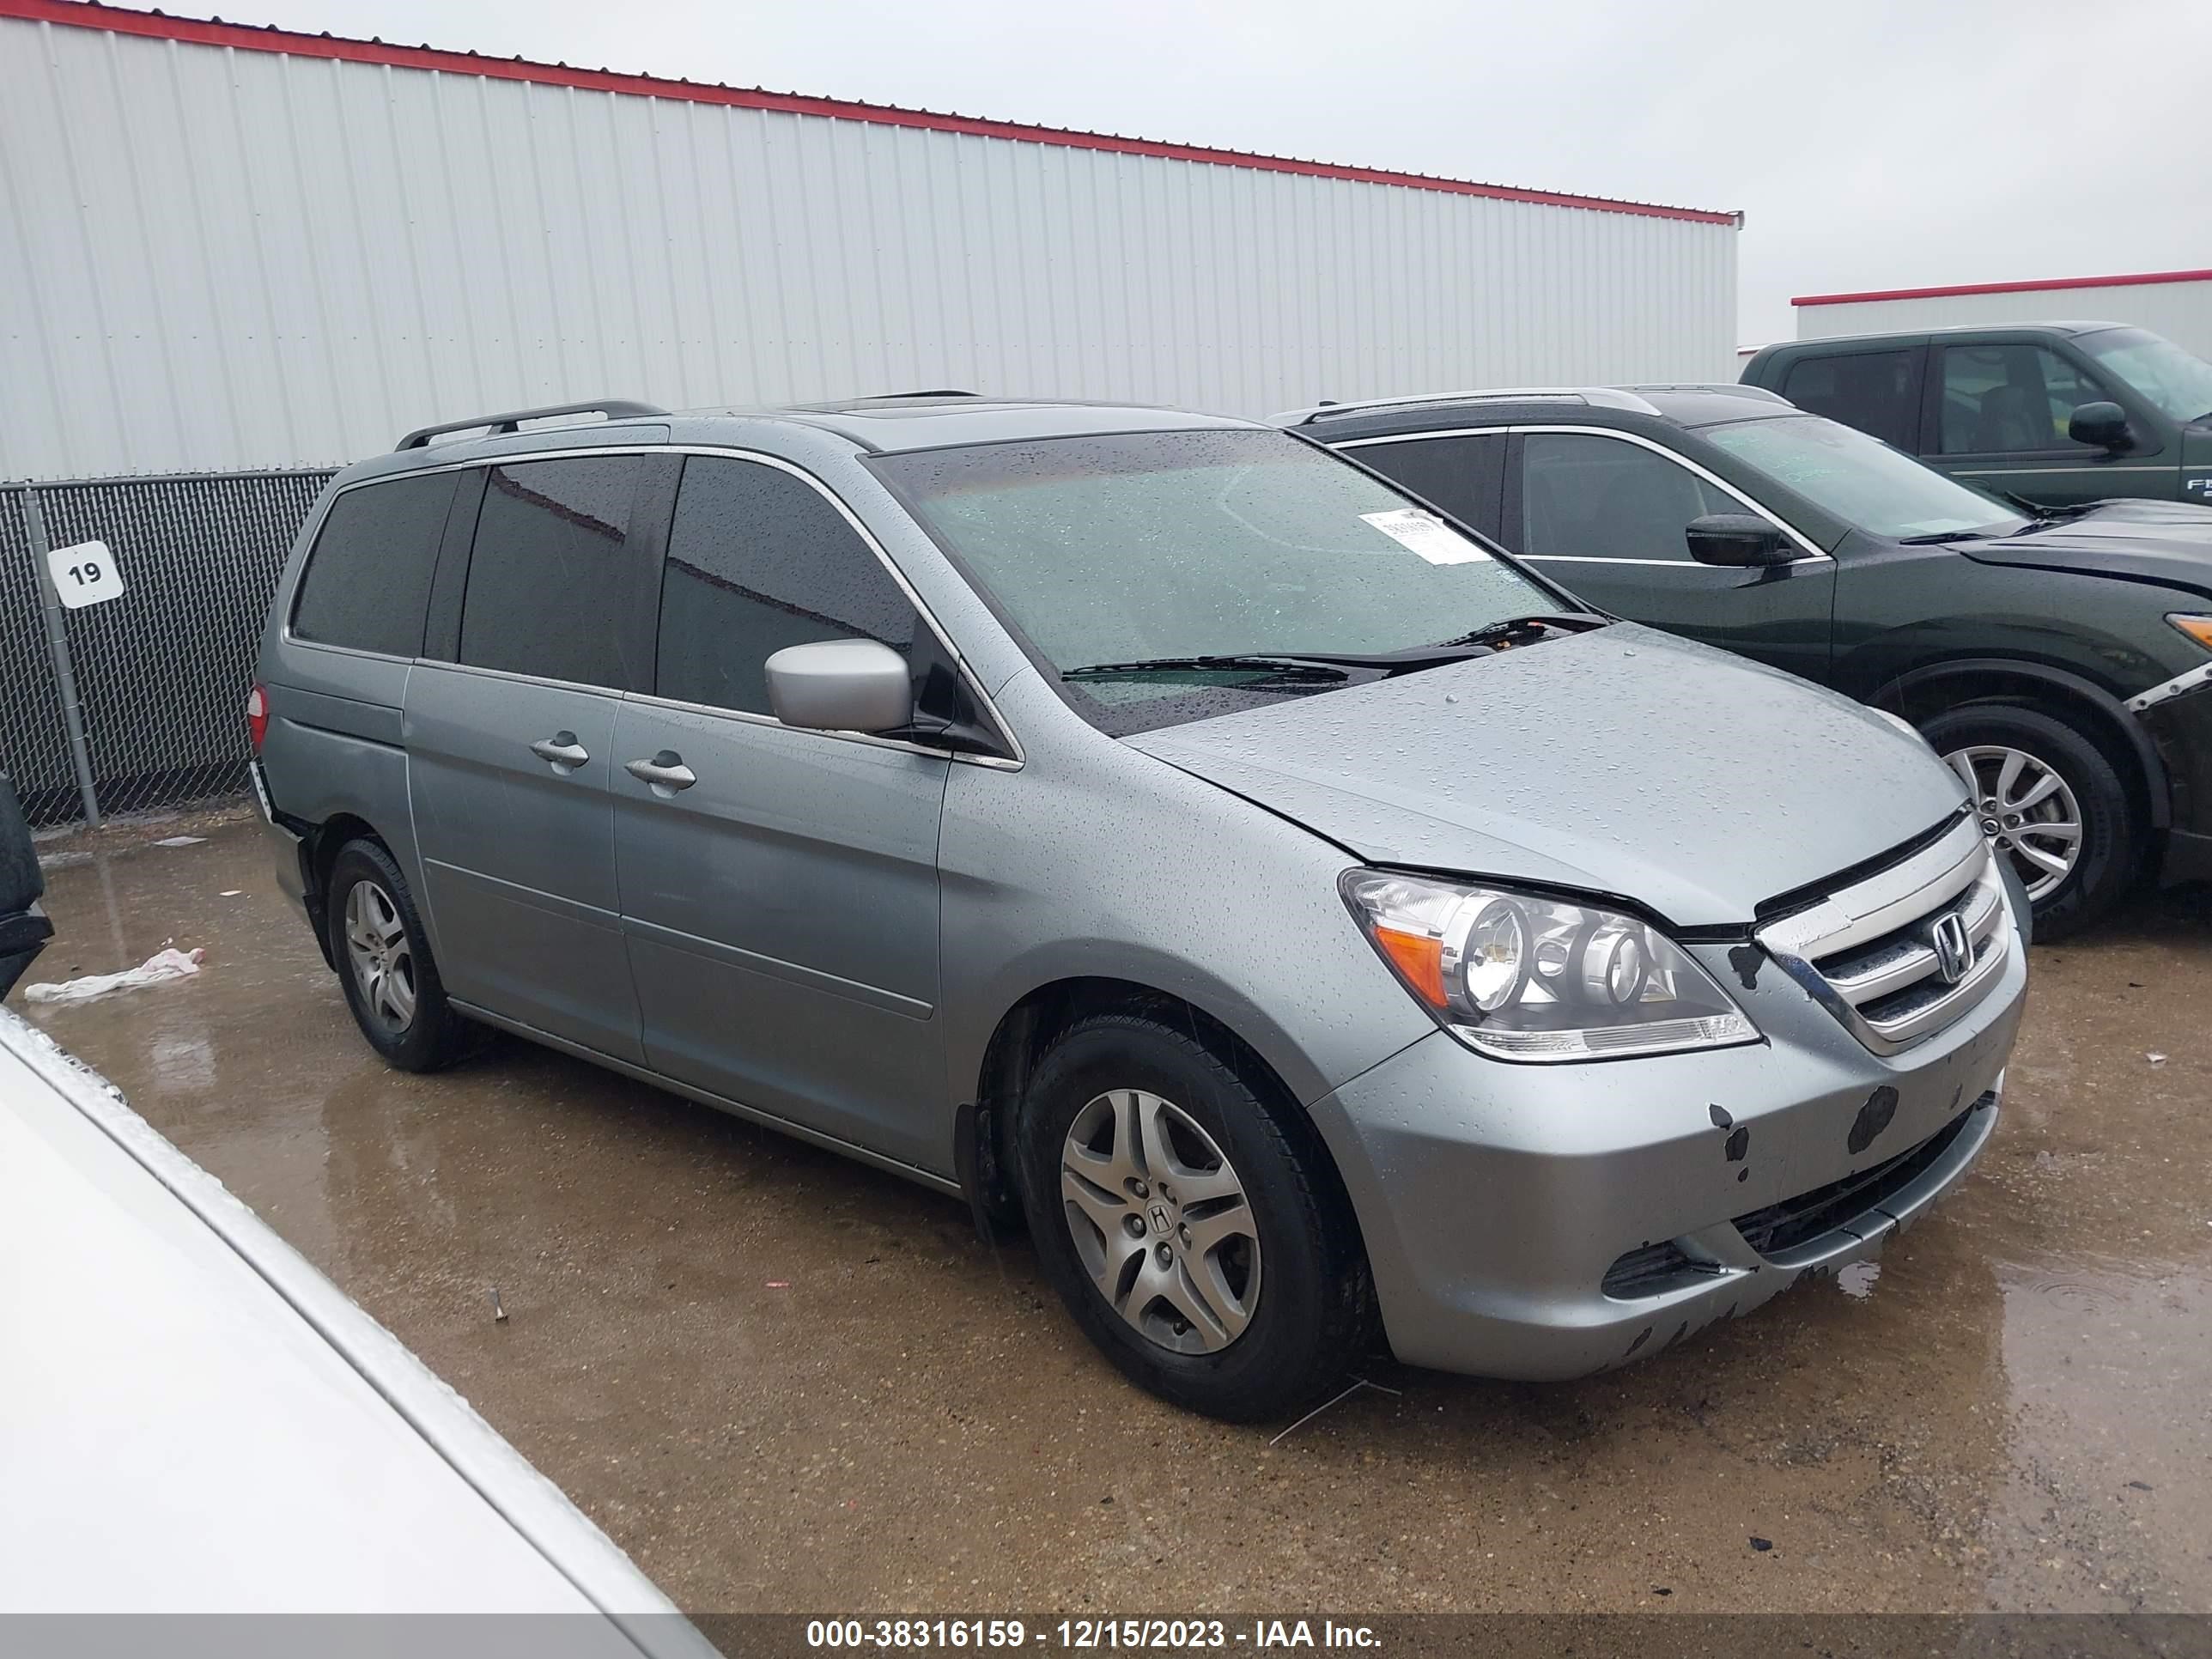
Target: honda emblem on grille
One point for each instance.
(1954, 952)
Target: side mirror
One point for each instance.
(2101, 425)
(841, 685)
(1742, 539)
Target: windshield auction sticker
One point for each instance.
(1425, 534)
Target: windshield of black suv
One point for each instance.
(1861, 480)
(2179, 382)
(1120, 559)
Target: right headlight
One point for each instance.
(1525, 976)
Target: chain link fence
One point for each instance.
(163, 670)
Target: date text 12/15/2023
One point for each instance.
(1086, 1635)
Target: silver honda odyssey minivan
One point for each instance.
(1159, 831)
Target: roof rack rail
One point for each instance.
(1724, 388)
(1601, 397)
(614, 408)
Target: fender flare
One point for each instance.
(1892, 693)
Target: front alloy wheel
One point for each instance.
(2027, 811)
(1160, 1221)
(1154, 1158)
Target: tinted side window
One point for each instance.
(2010, 399)
(1463, 476)
(367, 579)
(758, 560)
(1601, 498)
(550, 583)
(1872, 391)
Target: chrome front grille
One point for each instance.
(1898, 956)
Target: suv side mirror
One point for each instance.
(2103, 425)
(1742, 539)
(841, 685)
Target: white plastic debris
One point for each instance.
(162, 964)
(180, 840)
(2155, 1060)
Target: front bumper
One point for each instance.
(1550, 1221)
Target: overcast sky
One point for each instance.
(1870, 143)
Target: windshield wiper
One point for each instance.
(1302, 665)
(1565, 622)
(1316, 665)
(1935, 536)
(2043, 512)
(1282, 668)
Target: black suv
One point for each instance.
(2058, 660)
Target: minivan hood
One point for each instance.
(2167, 542)
(1621, 761)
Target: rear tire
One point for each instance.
(383, 955)
(1205, 1246)
(2008, 753)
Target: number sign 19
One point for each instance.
(85, 575)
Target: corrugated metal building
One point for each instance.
(2175, 303)
(225, 247)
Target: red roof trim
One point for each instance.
(83, 13)
(2137, 280)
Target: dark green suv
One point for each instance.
(2061, 663)
(2051, 413)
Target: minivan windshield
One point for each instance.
(1861, 480)
(2179, 382)
(1119, 558)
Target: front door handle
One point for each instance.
(665, 772)
(561, 752)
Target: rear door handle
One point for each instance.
(665, 772)
(561, 752)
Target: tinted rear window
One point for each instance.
(367, 580)
(550, 581)
(1464, 476)
(1874, 390)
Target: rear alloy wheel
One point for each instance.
(2054, 807)
(383, 957)
(379, 956)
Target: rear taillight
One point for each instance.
(257, 716)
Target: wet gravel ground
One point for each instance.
(786, 1382)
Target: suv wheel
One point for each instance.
(1209, 1252)
(2054, 807)
(384, 962)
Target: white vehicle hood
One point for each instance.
(193, 1419)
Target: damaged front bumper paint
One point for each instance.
(1496, 1200)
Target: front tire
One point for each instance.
(2053, 806)
(383, 956)
(1205, 1246)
